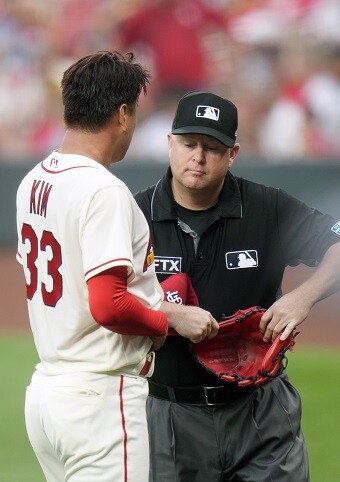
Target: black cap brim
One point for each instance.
(225, 140)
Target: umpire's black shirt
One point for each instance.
(254, 233)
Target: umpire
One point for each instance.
(234, 239)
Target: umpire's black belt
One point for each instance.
(219, 395)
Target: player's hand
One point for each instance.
(284, 316)
(191, 321)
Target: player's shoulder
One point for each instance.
(104, 178)
(31, 172)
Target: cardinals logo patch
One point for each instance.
(150, 257)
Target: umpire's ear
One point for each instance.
(232, 154)
(170, 136)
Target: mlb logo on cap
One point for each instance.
(208, 112)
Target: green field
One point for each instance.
(315, 372)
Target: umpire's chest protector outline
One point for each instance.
(267, 227)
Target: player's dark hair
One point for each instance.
(95, 86)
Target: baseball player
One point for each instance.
(233, 238)
(93, 296)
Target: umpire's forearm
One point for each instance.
(283, 316)
(325, 280)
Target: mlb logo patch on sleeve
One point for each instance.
(336, 228)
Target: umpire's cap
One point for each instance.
(209, 114)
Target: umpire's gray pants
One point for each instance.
(258, 438)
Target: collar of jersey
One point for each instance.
(163, 205)
(68, 161)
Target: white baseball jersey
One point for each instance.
(74, 220)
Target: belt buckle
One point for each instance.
(206, 395)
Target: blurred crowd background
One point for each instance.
(277, 60)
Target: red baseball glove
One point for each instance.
(238, 353)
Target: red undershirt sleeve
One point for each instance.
(113, 307)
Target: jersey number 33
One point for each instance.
(47, 241)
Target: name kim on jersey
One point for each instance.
(40, 192)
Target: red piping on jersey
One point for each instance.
(123, 426)
(63, 170)
(107, 262)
